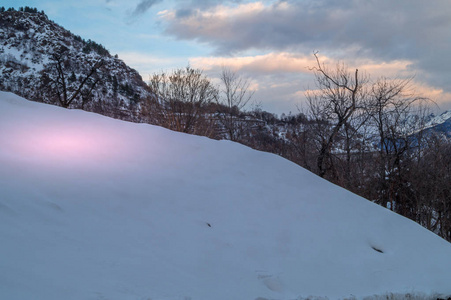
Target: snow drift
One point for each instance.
(96, 208)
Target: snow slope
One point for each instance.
(96, 208)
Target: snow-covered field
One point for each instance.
(96, 208)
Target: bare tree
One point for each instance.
(372, 140)
(431, 178)
(354, 144)
(68, 90)
(390, 105)
(182, 98)
(338, 96)
(234, 96)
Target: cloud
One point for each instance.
(147, 64)
(296, 63)
(271, 63)
(367, 25)
(384, 31)
(184, 8)
(282, 78)
(204, 4)
(142, 7)
(275, 77)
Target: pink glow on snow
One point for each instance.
(67, 144)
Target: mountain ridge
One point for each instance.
(29, 43)
(440, 123)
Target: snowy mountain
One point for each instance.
(31, 46)
(434, 120)
(97, 208)
(440, 123)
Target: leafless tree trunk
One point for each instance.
(234, 95)
(66, 93)
(389, 106)
(331, 106)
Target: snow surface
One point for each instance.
(96, 208)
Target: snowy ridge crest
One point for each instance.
(28, 44)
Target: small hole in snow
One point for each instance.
(377, 250)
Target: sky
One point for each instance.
(271, 43)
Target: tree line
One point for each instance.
(26, 9)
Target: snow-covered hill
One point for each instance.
(97, 208)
